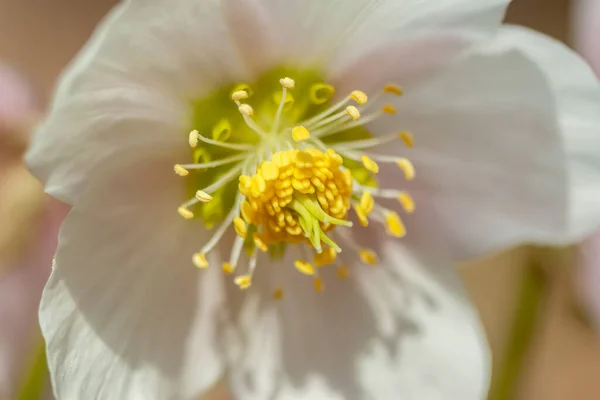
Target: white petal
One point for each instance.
(128, 90)
(402, 327)
(577, 99)
(333, 34)
(496, 154)
(586, 26)
(125, 314)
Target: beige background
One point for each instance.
(40, 36)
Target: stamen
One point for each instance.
(367, 202)
(246, 110)
(193, 139)
(393, 89)
(300, 133)
(284, 83)
(243, 281)
(239, 95)
(288, 83)
(304, 267)
(199, 260)
(217, 163)
(228, 268)
(342, 272)
(240, 227)
(236, 251)
(180, 170)
(232, 146)
(358, 96)
(369, 164)
(368, 256)
(319, 286)
(216, 237)
(203, 197)
(353, 112)
(407, 167)
(278, 294)
(394, 225)
(407, 202)
(389, 109)
(185, 212)
(327, 257)
(407, 138)
(243, 87)
(259, 243)
(362, 215)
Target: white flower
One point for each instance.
(501, 138)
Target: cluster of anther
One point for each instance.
(298, 194)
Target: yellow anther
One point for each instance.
(362, 215)
(407, 167)
(185, 212)
(240, 227)
(179, 170)
(368, 256)
(353, 112)
(321, 93)
(259, 243)
(247, 211)
(393, 89)
(326, 257)
(406, 201)
(242, 87)
(278, 294)
(369, 164)
(367, 202)
(243, 281)
(300, 133)
(389, 109)
(407, 138)
(269, 171)
(319, 286)
(246, 110)
(359, 97)
(228, 268)
(304, 267)
(394, 225)
(199, 260)
(222, 130)
(239, 95)
(342, 272)
(288, 83)
(203, 196)
(193, 139)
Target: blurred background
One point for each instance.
(541, 338)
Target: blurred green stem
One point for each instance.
(34, 383)
(527, 316)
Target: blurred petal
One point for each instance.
(403, 327)
(20, 292)
(589, 278)
(586, 25)
(122, 312)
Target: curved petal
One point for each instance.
(335, 34)
(577, 99)
(500, 146)
(122, 312)
(127, 92)
(404, 326)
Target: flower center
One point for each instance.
(287, 172)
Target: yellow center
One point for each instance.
(287, 171)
